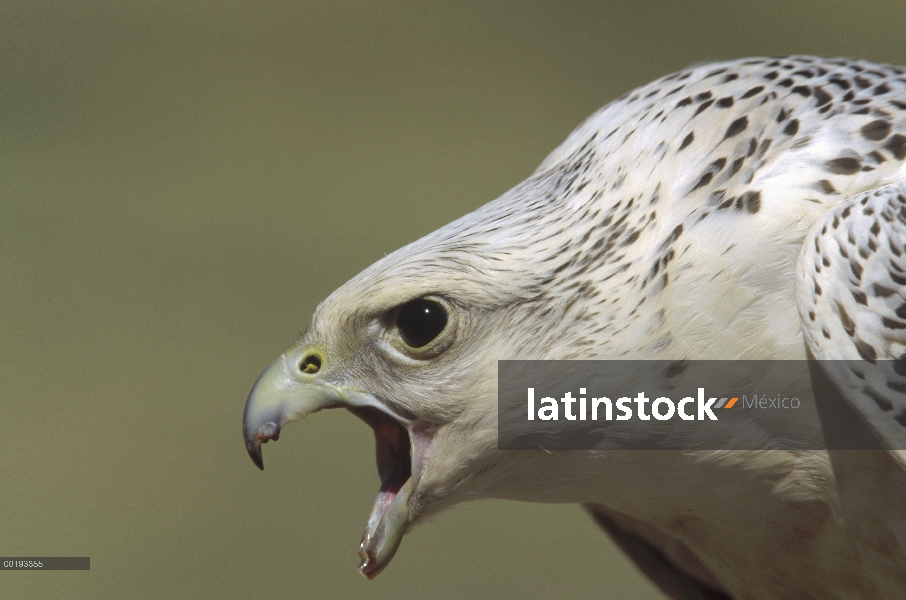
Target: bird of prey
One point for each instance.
(752, 209)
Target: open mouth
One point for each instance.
(393, 450)
(402, 449)
(402, 446)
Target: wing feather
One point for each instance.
(852, 304)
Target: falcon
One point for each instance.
(752, 209)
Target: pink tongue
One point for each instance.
(385, 498)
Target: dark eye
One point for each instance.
(420, 321)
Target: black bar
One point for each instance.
(45, 563)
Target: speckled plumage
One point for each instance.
(726, 165)
(669, 225)
(852, 297)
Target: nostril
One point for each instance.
(311, 364)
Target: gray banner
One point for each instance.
(698, 405)
(45, 563)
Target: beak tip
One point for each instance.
(268, 431)
(369, 568)
(254, 450)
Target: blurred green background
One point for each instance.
(182, 182)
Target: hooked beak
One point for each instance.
(275, 400)
(286, 392)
